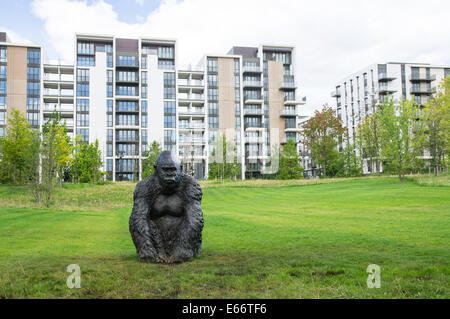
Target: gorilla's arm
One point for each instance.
(145, 234)
(194, 215)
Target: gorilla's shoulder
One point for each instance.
(145, 186)
(191, 187)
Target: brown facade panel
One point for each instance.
(16, 85)
(226, 97)
(276, 100)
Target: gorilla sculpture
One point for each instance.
(167, 221)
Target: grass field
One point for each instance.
(261, 240)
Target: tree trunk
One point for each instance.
(324, 170)
(14, 174)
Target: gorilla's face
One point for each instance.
(169, 174)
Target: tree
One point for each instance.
(150, 159)
(321, 134)
(87, 162)
(50, 152)
(15, 143)
(368, 138)
(436, 118)
(224, 162)
(64, 152)
(34, 166)
(290, 167)
(396, 135)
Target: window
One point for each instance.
(144, 106)
(169, 93)
(144, 77)
(109, 90)
(109, 150)
(127, 119)
(126, 90)
(82, 119)
(109, 106)
(86, 48)
(109, 164)
(169, 121)
(109, 120)
(127, 106)
(109, 76)
(2, 87)
(169, 137)
(83, 89)
(33, 88)
(33, 119)
(82, 105)
(3, 54)
(84, 132)
(82, 75)
(212, 80)
(2, 102)
(144, 136)
(213, 108)
(127, 76)
(212, 65)
(144, 92)
(33, 56)
(165, 52)
(109, 61)
(165, 65)
(169, 107)
(33, 73)
(213, 122)
(86, 61)
(236, 65)
(213, 94)
(2, 118)
(169, 79)
(144, 120)
(125, 60)
(108, 48)
(109, 136)
(2, 130)
(3, 71)
(237, 122)
(144, 62)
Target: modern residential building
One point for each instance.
(127, 93)
(359, 94)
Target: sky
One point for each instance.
(333, 39)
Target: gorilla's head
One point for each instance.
(168, 170)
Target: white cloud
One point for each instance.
(15, 37)
(333, 38)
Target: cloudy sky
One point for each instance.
(332, 38)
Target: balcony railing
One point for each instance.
(191, 125)
(252, 83)
(189, 140)
(56, 92)
(185, 82)
(424, 78)
(191, 111)
(289, 113)
(252, 97)
(254, 139)
(385, 77)
(253, 111)
(58, 77)
(186, 96)
(253, 125)
(50, 107)
(251, 68)
(419, 90)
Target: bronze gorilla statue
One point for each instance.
(167, 221)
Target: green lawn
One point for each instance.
(312, 241)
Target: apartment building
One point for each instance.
(127, 93)
(359, 94)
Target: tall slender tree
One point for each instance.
(321, 133)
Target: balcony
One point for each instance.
(254, 139)
(253, 126)
(63, 108)
(253, 99)
(384, 77)
(415, 90)
(288, 83)
(193, 140)
(252, 84)
(52, 77)
(253, 111)
(191, 125)
(287, 113)
(188, 154)
(422, 78)
(191, 97)
(336, 94)
(191, 83)
(386, 89)
(291, 100)
(56, 92)
(251, 69)
(191, 111)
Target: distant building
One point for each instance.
(127, 93)
(359, 94)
